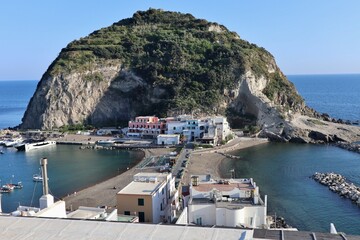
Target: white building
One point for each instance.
(175, 127)
(223, 128)
(230, 203)
(168, 139)
(211, 130)
(150, 196)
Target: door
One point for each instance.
(141, 217)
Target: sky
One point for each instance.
(304, 36)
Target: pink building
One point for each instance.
(147, 127)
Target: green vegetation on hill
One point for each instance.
(192, 59)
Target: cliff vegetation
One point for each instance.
(193, 60)
(160, 62)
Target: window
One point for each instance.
(140, 202)
(162, 191)
(126, 212)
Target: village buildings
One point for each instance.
(226, 202)
(209, 130)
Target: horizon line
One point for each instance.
(289, 74)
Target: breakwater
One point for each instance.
(339, 185)
(353, 147)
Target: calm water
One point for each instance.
(14, 98)
(69, 168)
(282, 172)
(337, 95)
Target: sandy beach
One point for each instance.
(205, 161)
(104, 193)
(208, 161)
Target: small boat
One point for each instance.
(12, 142)
(16, 185)
(32, 146)
(37, 178)
(7, 187)
(105, 142)
(1, 152)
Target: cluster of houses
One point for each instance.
(183, 128)
(153, 198)
(224, 202)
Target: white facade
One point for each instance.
(207, 130)
(168, 139)
(175, 127)
(230, 203)
(223, 128)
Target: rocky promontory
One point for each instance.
(165, 63)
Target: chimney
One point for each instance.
(43, 164)
(46, 199)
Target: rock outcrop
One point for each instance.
(160, 62)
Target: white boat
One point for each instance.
(37, 178)
(105, 142)
(12, 142)
(31, 146)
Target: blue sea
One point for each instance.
(337, 95)
(281, 171)
(14, 98)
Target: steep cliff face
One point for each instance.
(160, 62)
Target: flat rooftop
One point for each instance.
(141, 188)
(86, 213)
(234, 204)
(207, 187)
(14, 228)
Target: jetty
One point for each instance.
(339, 185)
(229, 155)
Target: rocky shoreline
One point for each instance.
(339, 185)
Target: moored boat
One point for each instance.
(12, 142)
(37, 145)
(16, 185)
(7, 188)
(105, 142)
(38, 178)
